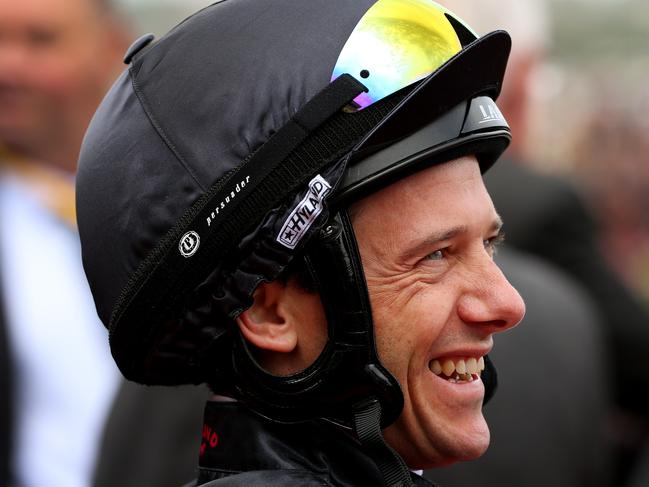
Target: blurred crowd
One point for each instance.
(611, 159)
(590, 122)
(573, 404)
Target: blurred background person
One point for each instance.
(66, 416)
(548, 216)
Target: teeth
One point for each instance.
(472, 366)
(462, 370)
(460, 367)
(435, 367)
(448, 368)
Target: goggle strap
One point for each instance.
(318, 109)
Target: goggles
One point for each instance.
(397, 43)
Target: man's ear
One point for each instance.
(268, 324)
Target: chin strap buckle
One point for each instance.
(367, 426)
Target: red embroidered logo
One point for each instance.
(210, 438)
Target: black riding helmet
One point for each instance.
(230, 150)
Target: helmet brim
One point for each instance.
(429, 125)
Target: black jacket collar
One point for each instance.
(234, 440)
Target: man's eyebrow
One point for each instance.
(447, 234)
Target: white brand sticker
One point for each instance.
(491, 113)
(189, 243)
(305, 213)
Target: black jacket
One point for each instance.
(240, 449)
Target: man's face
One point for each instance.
(56, 60)
(427, 246)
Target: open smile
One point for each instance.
(458, 370)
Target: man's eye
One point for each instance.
(491, 244)
(437, 255)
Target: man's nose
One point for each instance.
(490, 300)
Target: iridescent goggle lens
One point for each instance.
(396, 43)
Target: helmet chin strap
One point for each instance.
(367, 426)
(348, 370)
(345, 293)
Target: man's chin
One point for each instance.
(471, 448)
(474, 451)
(464, 447)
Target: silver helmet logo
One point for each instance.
(189, 243)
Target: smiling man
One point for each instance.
(342, 303)
(437, 297)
